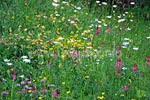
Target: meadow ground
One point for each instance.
(67, 51)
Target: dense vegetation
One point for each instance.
(74, 50)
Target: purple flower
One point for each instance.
(4, 93)
(22, 82)
(52, 85)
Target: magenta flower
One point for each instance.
(118, 67)
(55, 94)
(134, 68)
(125, 88)
(97, 30)
(148, 60)
(118, 64)
(4, 93)
(13, 75)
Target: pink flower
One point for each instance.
(125, 88)
(54, 54)
(4, 93)
(13, 75)
(118, 64)
(55, 94)
(97, 30)
(134, 68)
(148, 60)
(118, 67)
(43, 88)
(33, 89)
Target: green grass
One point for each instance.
(64, 53)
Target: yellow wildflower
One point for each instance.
(29, 91)
(103, 93)
(122, 95)
(40, 98)
(68, 92)
(100, 97)
(63, 83)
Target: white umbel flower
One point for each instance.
(27, 60)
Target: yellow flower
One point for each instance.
(103, 93)
(132, 99)
(51, 49)
(62, 7)
(100, 97)
(122, 95)
(29, 91)
(60, 65)
(33, 80)
(68, 92)
(63, 83)
(44, 78)
(62, 56)
(40, 98)
(87, 76)
(13, 17)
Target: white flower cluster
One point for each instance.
(25, 59)
(8, 62)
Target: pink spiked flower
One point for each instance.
(125, 88)
(13, 75)
(148, 60)
(118, 64)
(54, 54)
(97, 30)
(55, 94)
(134, 68)
(33, 89)
(118, 67)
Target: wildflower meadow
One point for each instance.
(74, 50)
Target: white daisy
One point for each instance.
(27, 60)
(6, 60)
(135, 48)
(9, 64)
(24, 57)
